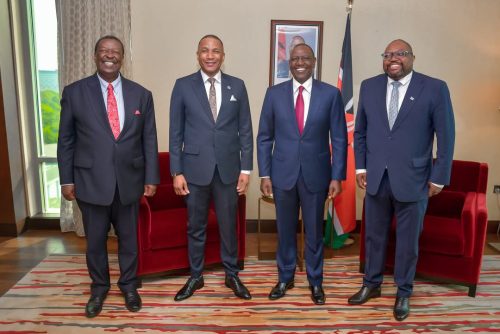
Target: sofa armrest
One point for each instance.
(481, 223)
(468, 221)
(144, 225)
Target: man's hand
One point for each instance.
(180, 185)
(433, 189)
(334, 189)
(242, 186)
(361, 180)
(266, 187)
(68, 191)
(149, 190)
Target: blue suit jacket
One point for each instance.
(406, 150)
(88, 154)
(197, 144)
(282, 152)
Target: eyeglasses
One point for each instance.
(304, 59)
(397, 54)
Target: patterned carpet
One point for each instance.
(52, 297)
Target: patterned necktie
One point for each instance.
(212, 98)
(114, 120)
(299, 110)
(394, 103)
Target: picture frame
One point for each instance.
(284, 35)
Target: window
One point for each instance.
(44, 28)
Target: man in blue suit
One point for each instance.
(299, 119)
(211, 155)
(399, 113)
(108, 158)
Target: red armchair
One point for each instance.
(162, 230)
(452, 241)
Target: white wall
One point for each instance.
(454, 40)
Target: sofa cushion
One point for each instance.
(443, 236)
(169, 228)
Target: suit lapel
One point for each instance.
(290, 104)
(201, 93)
(380, 99)
(414, 89)
(127, 105)
(226, 92)
(98, 106)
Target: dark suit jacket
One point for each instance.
(406, 150)
(282, 152)
(88, 154)
(197, 143)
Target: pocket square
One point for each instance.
(137, 112)
(233, 98)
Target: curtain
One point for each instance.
(80, 23)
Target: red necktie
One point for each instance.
(299, 110)
(114, 120)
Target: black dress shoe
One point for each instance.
(192, 284)
(279, 290)
(401, 308)
(364, 294)
(94, 305)
(317, 294)
(133, 301)
(239, 289)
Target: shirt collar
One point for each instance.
(205, 77)
(307, 84)
(115, 83)
(404, 81)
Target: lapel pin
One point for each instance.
(228, 87)
(412, 98)
(137, 112)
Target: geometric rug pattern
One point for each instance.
(51, 299)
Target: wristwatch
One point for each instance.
(175, 174)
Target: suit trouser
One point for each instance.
(379, 212)
(97, 220)
(288, 203)
(225, 199)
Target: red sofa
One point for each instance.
(452, 241)
(162, 231)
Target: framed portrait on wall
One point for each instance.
(285, 34)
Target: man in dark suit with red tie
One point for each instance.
(108, 158)
(299, 119)
(399, 114)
